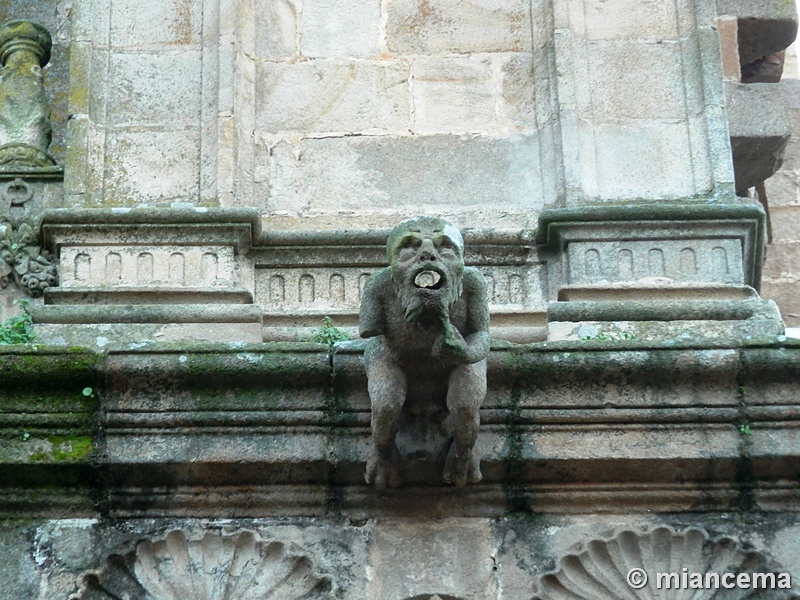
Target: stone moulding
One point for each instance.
(597, 570)
(236, 429)
(218, 565)
(148, 257)
(296, 277)
(622, 244)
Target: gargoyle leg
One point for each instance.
(465, 394)
(387, 387)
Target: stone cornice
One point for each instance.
(282, 429)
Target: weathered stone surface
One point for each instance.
(155, 23)
(274, 27)
(411, 558)
(340, 28)
(783, 290)
(439, 26)
(631, 20)
(657, 156)
(154, 89)
(146, 166)
(785, 222)
(332, 96)
(19, 573)
(453, 95)
(372, 174)
(764, 26)
(760, 130)
(525, 91)
(783, 188)
(622, 85)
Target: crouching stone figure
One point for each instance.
(427, 318)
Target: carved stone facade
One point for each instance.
(196, 195)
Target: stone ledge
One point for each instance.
(216, 419)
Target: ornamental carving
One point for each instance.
(240, 566)
(24, 261)
(600, 569)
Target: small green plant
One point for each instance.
(18, 329)
(88, 392)
(745, 429)
(329, 334)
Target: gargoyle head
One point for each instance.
(426, 255)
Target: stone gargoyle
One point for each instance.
(427, 317)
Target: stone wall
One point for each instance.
(781, 272)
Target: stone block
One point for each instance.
(765, 26)
(332, 96)
(452, 95)
(784, 291)
(524, 80)
(104, 336)
(622, 85)
(727, 26)
(363, 174)
(142, 23)
(19, 573)
(272, 28)
(630, 19)
(420, 559)
(441, 26)
(783, 188)
(785, 222)
(642, 159)
(143, 166)
(637, 246)
(760, 129)
(154, 89)
(341, 28)
(783, 259)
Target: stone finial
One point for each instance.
(25, 130)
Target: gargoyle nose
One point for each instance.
(427, 252)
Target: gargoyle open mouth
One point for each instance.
(428, 280)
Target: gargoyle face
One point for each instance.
(426, 256)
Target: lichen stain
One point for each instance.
(182, 23)
(425, 15)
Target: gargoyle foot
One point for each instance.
(462, 469)
(382, 471)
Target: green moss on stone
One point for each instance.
(65, 449)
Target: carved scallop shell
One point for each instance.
(216, 567)
(597, 570)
